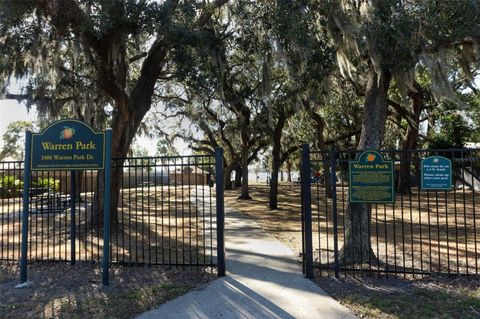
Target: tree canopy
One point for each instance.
(252, 76)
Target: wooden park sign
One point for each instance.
(67, 145)
(436, 173)
(371, 179)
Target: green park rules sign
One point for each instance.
(68, 145)
(436, 173)
(371, 179)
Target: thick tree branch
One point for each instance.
(208, 11)
(449, 43)
(152, 66)
(137, 57)
(255, 152)
(174, 115)
(402, 111)
(285, 155)
(18, 97)
(65, 14)
(203, 149)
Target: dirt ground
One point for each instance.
(430, 297)
(158, 225)
(59, 290)
(448, 237)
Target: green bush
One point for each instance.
(49, 183)
(10, 186)
(454, 132)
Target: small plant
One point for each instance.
(48, 183)
(10, 186)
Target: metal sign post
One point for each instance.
(26, 200)
(72, 218)
(106, 209)
(220, 212)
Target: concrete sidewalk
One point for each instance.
(264, 280)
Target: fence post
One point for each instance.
(72, 218)
(333, 174)
(26, 200)
(220, 211)
(307, 210)
(106, 207)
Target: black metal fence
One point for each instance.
(422, 232)
(166, 213)
(11, 174)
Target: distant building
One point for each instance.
(190, 175)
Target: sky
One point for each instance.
(11, 111)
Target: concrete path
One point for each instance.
(264, 280)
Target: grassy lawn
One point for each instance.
(59, 290)
(405, 297)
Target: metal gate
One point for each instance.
(423, 232)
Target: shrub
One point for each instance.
(48, 183)
(10, 186)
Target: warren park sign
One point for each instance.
(68, 145)
(371, 179)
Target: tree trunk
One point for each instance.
(125, 123)
(357, 246)
(273, 204)
(227, 180)
(277, 139)
(410, 141)
(238, 176)
(245, 137)
(320, 125)
(245, 191)
(112, 72)
(228, 183)
(289, 171)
